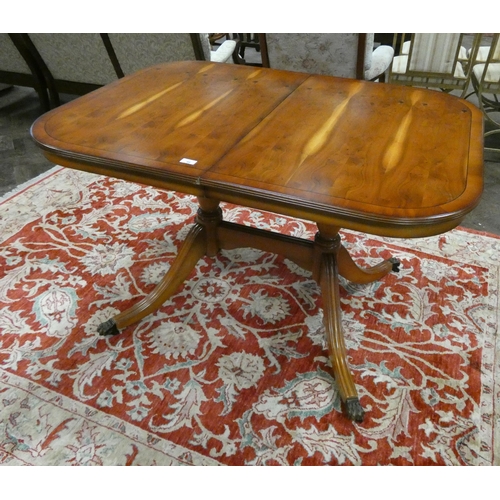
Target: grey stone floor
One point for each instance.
(20, 159)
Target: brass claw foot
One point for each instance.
(395, 264)
(108, 328)
(362, 276)
(354, 410)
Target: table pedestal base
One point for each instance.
(326, 258)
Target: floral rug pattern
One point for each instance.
(234, 368)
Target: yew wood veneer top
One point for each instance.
(380, 158)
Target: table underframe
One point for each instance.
(325, 257)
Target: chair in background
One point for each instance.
(77, 63)
(224, 52)
(248, 40)
(347, 55)
(433, 60)
(19, 67)
(135, 51)
(486, 83)
(73, 63)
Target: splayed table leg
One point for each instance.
(355, 274)
(199, 242)
(332, 259)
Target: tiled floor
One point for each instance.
(20, 159)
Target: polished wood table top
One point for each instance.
(384, 159)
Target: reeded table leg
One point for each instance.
(331, 259)
(328, 247)
(192, 250)
(199, 242)
(335, 336)
(351, 272)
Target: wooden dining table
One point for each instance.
(382, 159)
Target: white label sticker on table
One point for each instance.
(188, 161)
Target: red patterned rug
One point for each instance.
(234, 369)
